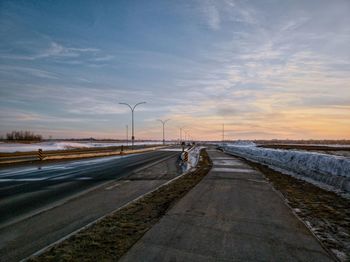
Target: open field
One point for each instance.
(309, 147)
(341, 142)
(336, 150)
(12, 147)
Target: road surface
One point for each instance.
(39, 205)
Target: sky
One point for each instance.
(267, 69)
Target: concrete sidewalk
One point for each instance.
(233, 214)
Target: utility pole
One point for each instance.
(223, 132)
(132, 120)
(163, 122)
(181, 133)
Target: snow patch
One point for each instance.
(193, 157)
(240, 143)
(339, 254)
(327, 169)
(61, 145)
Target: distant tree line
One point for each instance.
(23, 136)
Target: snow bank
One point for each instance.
(327, 145)
(239, 143)
(193, 157)
(61, 145)
(331, 170)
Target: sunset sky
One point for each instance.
(266, 68)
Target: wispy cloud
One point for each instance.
(262, 68)
(20, 70)
(210, 13)
(103, 58)
(53, 50)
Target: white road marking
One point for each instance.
(233, 170)
(117, 184)
(171, 149)
(225, 162)
(258, 181)
(62, 177)
(84, 178)
(21, 179)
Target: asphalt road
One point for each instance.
(39, 205)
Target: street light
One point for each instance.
(163, 122)
(132, 120)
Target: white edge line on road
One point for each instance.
(117, 184)
(100, 218)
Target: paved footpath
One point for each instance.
(233, 214)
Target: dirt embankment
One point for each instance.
(112, 236)
(326, 213)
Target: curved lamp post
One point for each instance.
(132, 108)
(163, 122)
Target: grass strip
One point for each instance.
(325, 212)
(111, 237)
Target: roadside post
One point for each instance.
(183, 146)
(185, 156)
(121, 149)
(40, 154)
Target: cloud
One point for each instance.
(103, 58)
(216, 13)
(264, 69)
(21, 117)
(56, 50)
(211, 14)
(18, 71)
